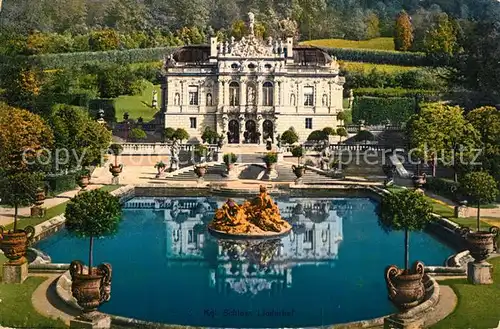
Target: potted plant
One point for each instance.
(115, 169)
(270, 159)
(160, 166)
(298, 170)
(200, 168)
(92, 215)
(229, 160)
(83, 178)
(481, 188)
(18, 190)
(408, 211)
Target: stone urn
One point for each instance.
(84, 181)
(14, 244)
(200, 171)
(299, 171)
(115, 170)
(482, 243)
(406, 289)
(90, 290)
(419, 180)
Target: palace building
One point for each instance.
(251, 90)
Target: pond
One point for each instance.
(330, 269)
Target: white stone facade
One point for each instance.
(251, 90)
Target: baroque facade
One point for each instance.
(251, 90)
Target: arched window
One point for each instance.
(234, 94)
(251, 66)
(209, 99)
(235, 66)
(268, 94)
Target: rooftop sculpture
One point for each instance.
(259, 217)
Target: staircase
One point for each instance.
(214, 173)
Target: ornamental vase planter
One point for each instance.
(299, 171)
(115, 170)
(200, 171)
(83, 182)
(482, 243)
(90, 290)
(406, 289)
(14, 244)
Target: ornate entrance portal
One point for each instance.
(268, 130)
(233, 135)
(250, 134)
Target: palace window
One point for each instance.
(309, 123)
(308, 236)
(308, 96)
(192, 238)
(234, 94)
(193, 95)
(192, 123)
(268, 94)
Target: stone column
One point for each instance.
(258, 93)
(241, 119)
(276, 93)
(243, 92)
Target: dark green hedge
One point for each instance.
(380, 56)
(375, 110)
(67, 60)
(443, 187)
(60, 183)
(397, 92)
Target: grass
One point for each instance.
(138, 105)
(51, 212)
(368, 67)
(17, 310)
(477, 304)
(374, 44)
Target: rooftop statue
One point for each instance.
(257, 217)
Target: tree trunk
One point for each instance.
(15, 217)
(116, 160)
(478, 216)
(434, 165)
(407, 250)
(91, 249)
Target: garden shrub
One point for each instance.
(444, 187)
(427, 95)
(317, 135)
(289, 136)
(107, 105)
(374, 110)
(59, 183)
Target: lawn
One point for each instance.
(17, 310)
(376, 44)
(138, 105)
(368, 67)
(478, 305)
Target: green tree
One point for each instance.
(342, 132)
(441, 39)
(329, 131)
(372, 26)
(481, 187)
(298, 152)
(317, 135)
(486, 120)
(289, 136)
(23, 138)
(103, 40)
(92, 215)
(239, 29)
(405, 211)
(181, 134)
(137, 134)
(209, 136)
(19, 190)
(169, 133)
(403, 32)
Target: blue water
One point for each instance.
(167, 268)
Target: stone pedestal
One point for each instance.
(299, 181)
(93, 320)
(220, 156)
(15, 273)
(115, 180)
(272, 174)
(480, 273)
(37, 211)
(461, 212)
(396, 322)
(281, 157)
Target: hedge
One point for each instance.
(60, 183)
(397, 92)
(375, 110)
(380, 56)
(443, 187)
(68, 60)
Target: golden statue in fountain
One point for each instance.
(259, 217)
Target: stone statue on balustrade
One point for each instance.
(174, 155)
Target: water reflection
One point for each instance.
(250, 266)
